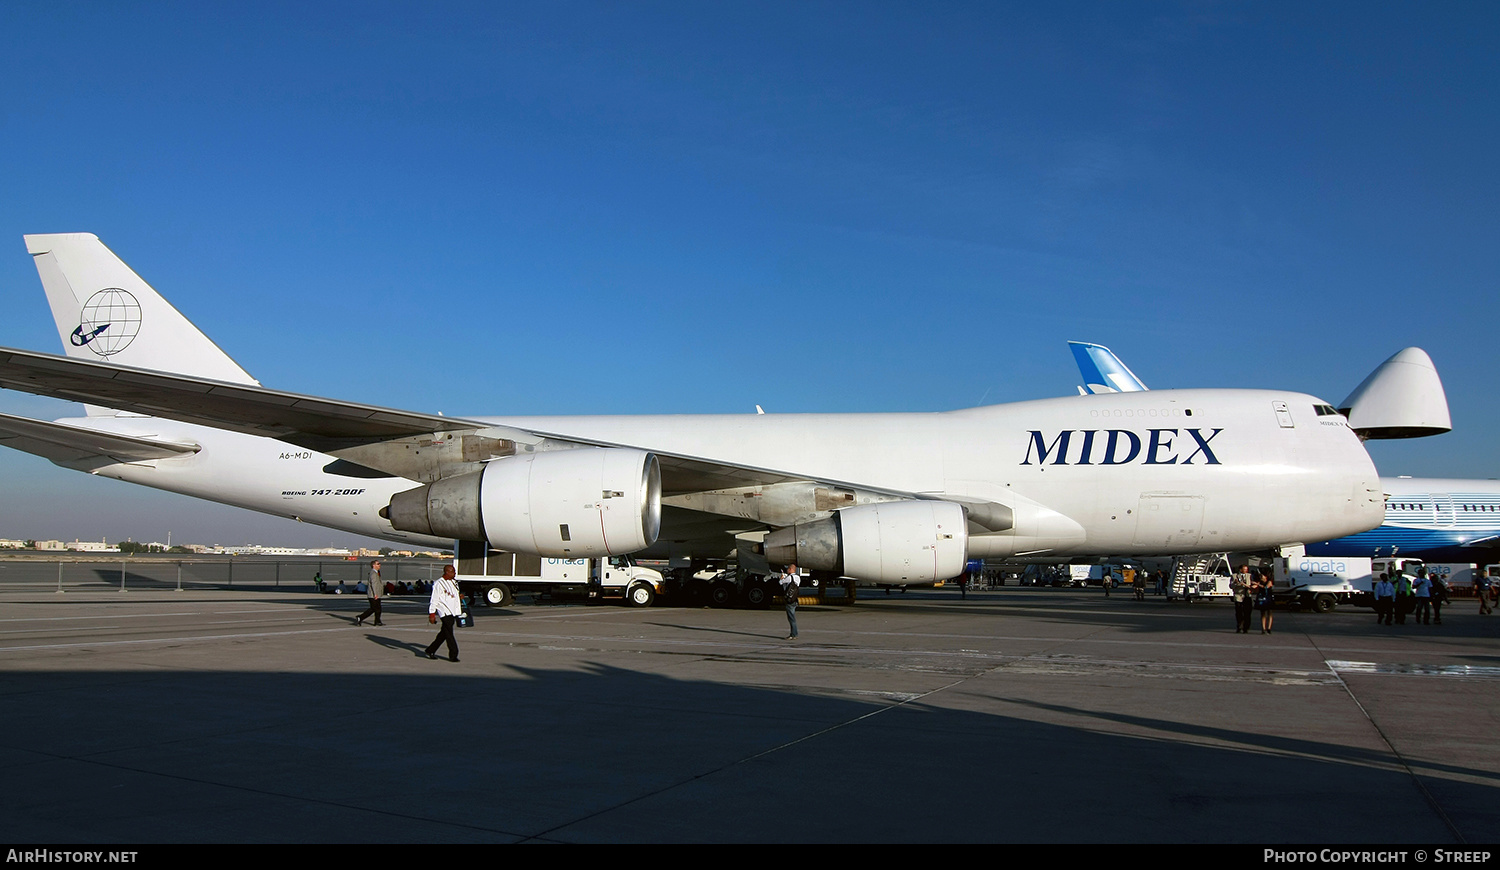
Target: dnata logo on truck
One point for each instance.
(1121, 446)
(1324, 566)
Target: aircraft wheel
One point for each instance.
(722, 594)
(640, 595)
(498, 595)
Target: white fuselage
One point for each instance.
(1266, 476)
(1165, 471)
(261, 474)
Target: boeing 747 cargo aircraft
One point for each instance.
(884, 498)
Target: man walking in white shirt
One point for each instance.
(445, 604)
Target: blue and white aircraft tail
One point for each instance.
(1102, 371)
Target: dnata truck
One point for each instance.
(494, 576)
(1321, 583)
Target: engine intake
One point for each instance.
(586, 502)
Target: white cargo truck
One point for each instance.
(1087, 575)
(495, 576)
(1321, 583)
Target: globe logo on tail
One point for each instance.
(109, 322)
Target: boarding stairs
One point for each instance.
(1201, 576)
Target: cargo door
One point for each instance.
(1173, 523)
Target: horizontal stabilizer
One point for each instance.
(77, 447)
(1403, 398)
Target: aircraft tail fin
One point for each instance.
(105, 312)
(1102, 371)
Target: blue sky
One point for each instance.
(631, 207)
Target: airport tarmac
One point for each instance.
(1025, 715)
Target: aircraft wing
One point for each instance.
(346, 429)
(77, 447)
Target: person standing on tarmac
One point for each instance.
(1385, 599)
(1242, 585)
(1422, 589)
(1265, 600)
(790, 586)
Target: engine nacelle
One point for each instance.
(591, 501)
(889, 542)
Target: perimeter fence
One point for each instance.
(104, 572)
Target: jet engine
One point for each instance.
(890, 542)
(580, 503)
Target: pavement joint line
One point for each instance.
(1412, 669)
(169, 640)
(909, 699)
(1427, 795)
(737, 762)
(105, 616)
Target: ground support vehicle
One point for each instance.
(1322, 583)
(728, 587)
(493, 577)
(1087, 575)
(1199, 577)
(734, 587)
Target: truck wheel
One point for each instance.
(721, 594)
(640, 595)
(755, 595)
(1324, 603)
(498, 595)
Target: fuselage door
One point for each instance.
(1172, 522)
(1283, 415)
(1442, 508)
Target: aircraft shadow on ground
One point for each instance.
(595, 752)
